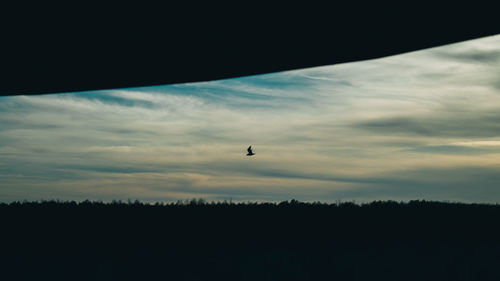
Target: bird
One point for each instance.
(250, 152)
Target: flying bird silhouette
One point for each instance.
(250, 152)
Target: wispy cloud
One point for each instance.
(423, 124)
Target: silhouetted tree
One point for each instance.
(297, 240)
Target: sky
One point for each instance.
(419, 125)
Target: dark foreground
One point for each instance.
(417, 240)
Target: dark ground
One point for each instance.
(417, 240)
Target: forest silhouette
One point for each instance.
(289, 240)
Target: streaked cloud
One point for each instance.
(418, 125)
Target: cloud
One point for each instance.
(455, 149)
(397, 127)
(472, 56)
(440, 125)
(486, 143)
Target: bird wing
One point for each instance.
(249, 149)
